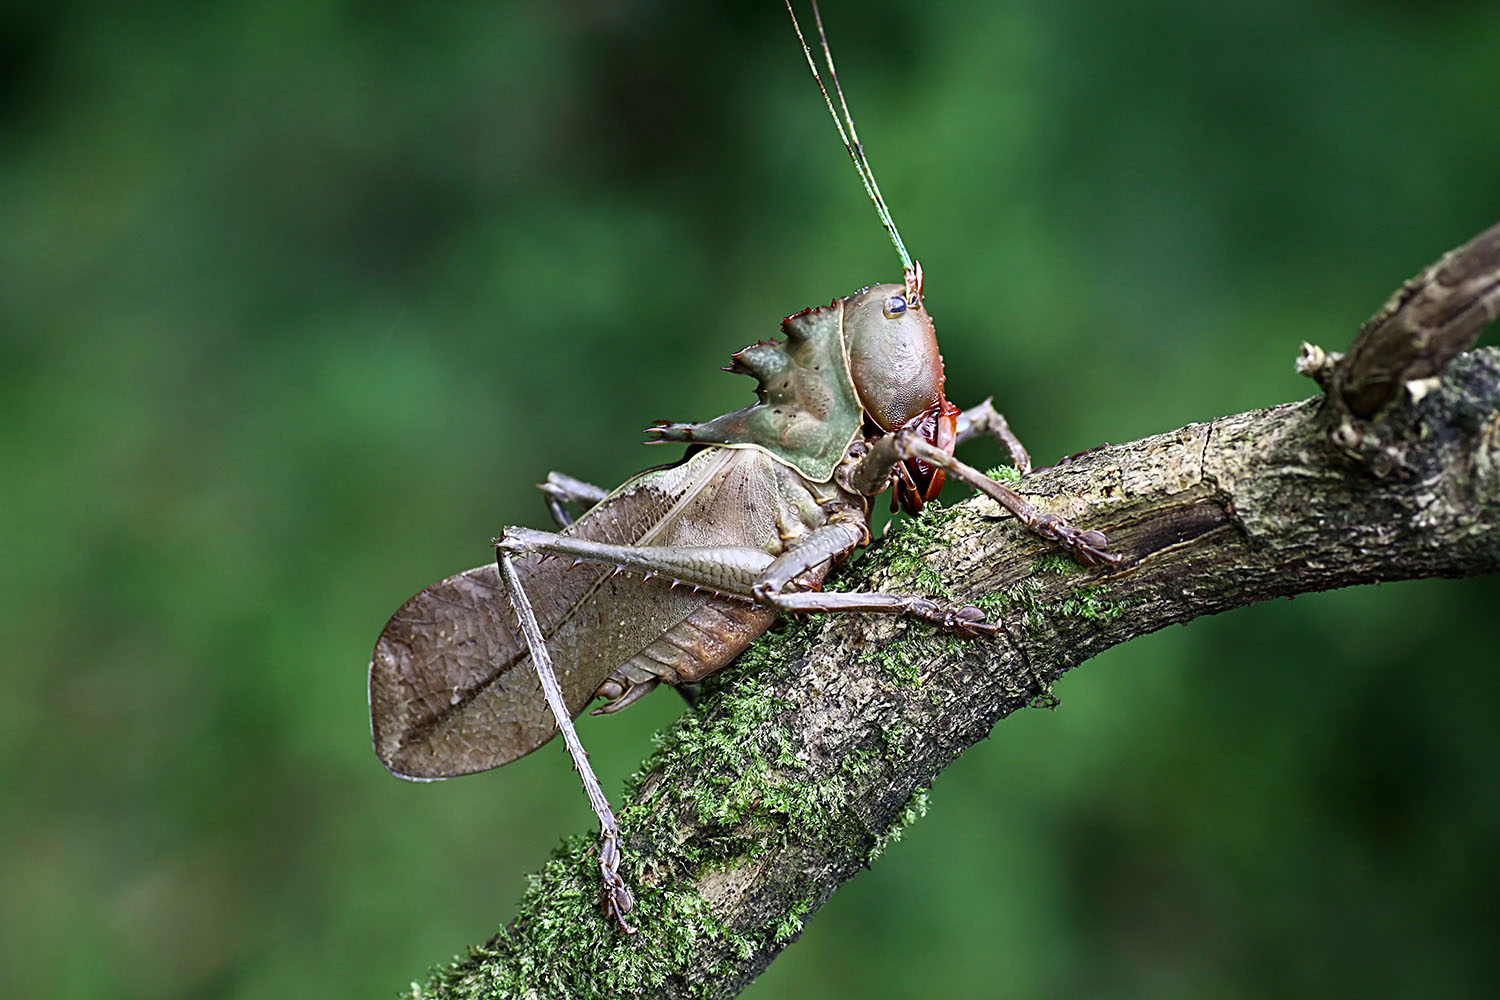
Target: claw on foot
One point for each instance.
(617, 900)
(1090, 547)
(968, 622)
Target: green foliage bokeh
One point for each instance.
(297, 300)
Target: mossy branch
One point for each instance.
(812, 753)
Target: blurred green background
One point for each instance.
(298, 299)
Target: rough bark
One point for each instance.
(813, 751)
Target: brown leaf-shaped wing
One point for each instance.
(445, 697)
(452, 686)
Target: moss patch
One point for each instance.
(901, 658)
(906, 548)
(1004, 474)
(560, 945)
(915, 809)
(1091, 603)
(1055, 563)
(791, 925)
(732, 762)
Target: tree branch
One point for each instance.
(800, 767)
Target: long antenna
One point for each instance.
(852, 143)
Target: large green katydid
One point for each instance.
(669, 577)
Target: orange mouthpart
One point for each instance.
(916, 481)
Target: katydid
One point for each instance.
(667, 578)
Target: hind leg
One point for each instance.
(617, 899)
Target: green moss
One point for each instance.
(791, 925)
(915, 809)
(1027, 602)
(905, 555)
(906, 548)
(899, 659)
(736, 754)
(1020, 606)
(1055, 563)
(857, 764)
(746, 778)
(1090, 602)
(1027, 607)
(895, 737)
(732, 766)
(1004, 474)
(560, 945)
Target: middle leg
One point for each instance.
(984, 419)
(561, 490)
(753, 575)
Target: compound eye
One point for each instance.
(894, 306)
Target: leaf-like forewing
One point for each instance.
(452, 687)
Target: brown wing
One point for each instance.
(443, 694)
(452, 688)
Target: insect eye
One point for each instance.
(894, 306)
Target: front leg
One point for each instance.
(873, 472)
(1088, 547)
(984, 419)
